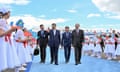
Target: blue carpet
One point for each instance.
(89, 64)
(29, 66)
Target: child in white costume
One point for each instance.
(8, 55)
(91, 46)
(20, 43)
(109, 47)
(98, 49)
(3, 48)
(31, 46)
(85, 46)
(27, 45)
(20, 47)
(117, 52)
(13, 60)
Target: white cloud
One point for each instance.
(107, 14)
(105, 26)
(108, 5)
(34, 22)
(72, 11)
(17, 2)
(114, 17)
(93, 15)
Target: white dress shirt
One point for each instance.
(54, 31)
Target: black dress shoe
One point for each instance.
(51, 62)
(44, 62)
(79, 62)
(41, 61)
(66, 62)
(56, 63)
(76, 63)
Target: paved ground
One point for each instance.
(89, 64)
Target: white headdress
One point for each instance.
(4, 10)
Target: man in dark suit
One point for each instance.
(114, 35)
(54, 42)
(42, 42)
(66, 42)
(77, 40)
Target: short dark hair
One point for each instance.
(1, 15)
(54, 24)
(41, 25)
(113, 31)
(6, 13)
(67, 27)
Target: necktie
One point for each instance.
(42, 33)
(54, 32)
(77, 32)
(67, 34)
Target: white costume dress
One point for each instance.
(27, 50)
(3, 48)
(12, 57)
(109, 46)
(16, 59)
(98, 46)
(91, 44)
(33, 46)
(85, 45)
(30, 47)
(117, 52)
(22, 52)
(11, 54)
(20, 46)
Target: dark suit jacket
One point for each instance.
(77, 39)
(66, 41)
(42, 40)
(54, 40)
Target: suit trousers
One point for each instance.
(43, 53)
(78, 52)
(67, 51)
(54, 54)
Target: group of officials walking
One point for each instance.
(53, 39)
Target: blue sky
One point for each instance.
(89, 13)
